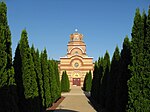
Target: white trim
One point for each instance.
(64, 57)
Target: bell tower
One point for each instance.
(76, 45)
(76, 36)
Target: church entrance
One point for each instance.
(76, 81)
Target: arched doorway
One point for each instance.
(76, 81)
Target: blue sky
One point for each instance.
(104, 23)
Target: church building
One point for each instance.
(76, 62)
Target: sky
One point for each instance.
(49, 23)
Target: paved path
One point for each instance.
(75, 101)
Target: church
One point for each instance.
(76, 62)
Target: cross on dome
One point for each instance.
(76, 30)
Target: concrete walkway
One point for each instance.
(75, 101)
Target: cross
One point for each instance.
(76, 30)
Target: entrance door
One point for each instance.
(76, 81)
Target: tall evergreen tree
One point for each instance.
(37, 68)
(146, 75)
(104, 79)
(101, 73)
(147, 38)
(18, 77)
(136, 49)
(46, 79)
(56, 72)
(25, 72)
(7, 82)
(87, 82)
(114, 73)
(3, 53)
(65, 85)
(53, 82)
(124, 75)
(84, 83)
(95, 82)
(139, 82)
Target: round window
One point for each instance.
(76, 64)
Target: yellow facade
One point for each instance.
(76, 63)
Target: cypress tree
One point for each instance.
(88, 82)
(139, 82)
(3, 53)
(40, 77)
(3, 60)
(84, 83)
(37, 68)
(95, 82)
(101, 72)
(46, 80)
(53, 83)
(65, 85)
(67, 82)
(104, 79)
(57, 79)
(63, 81)
(136, 50)
(18, 77)
(7, 82)
(114, 73)
(147, 38)
(124, 75)
(146, 75)
(27, 86)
